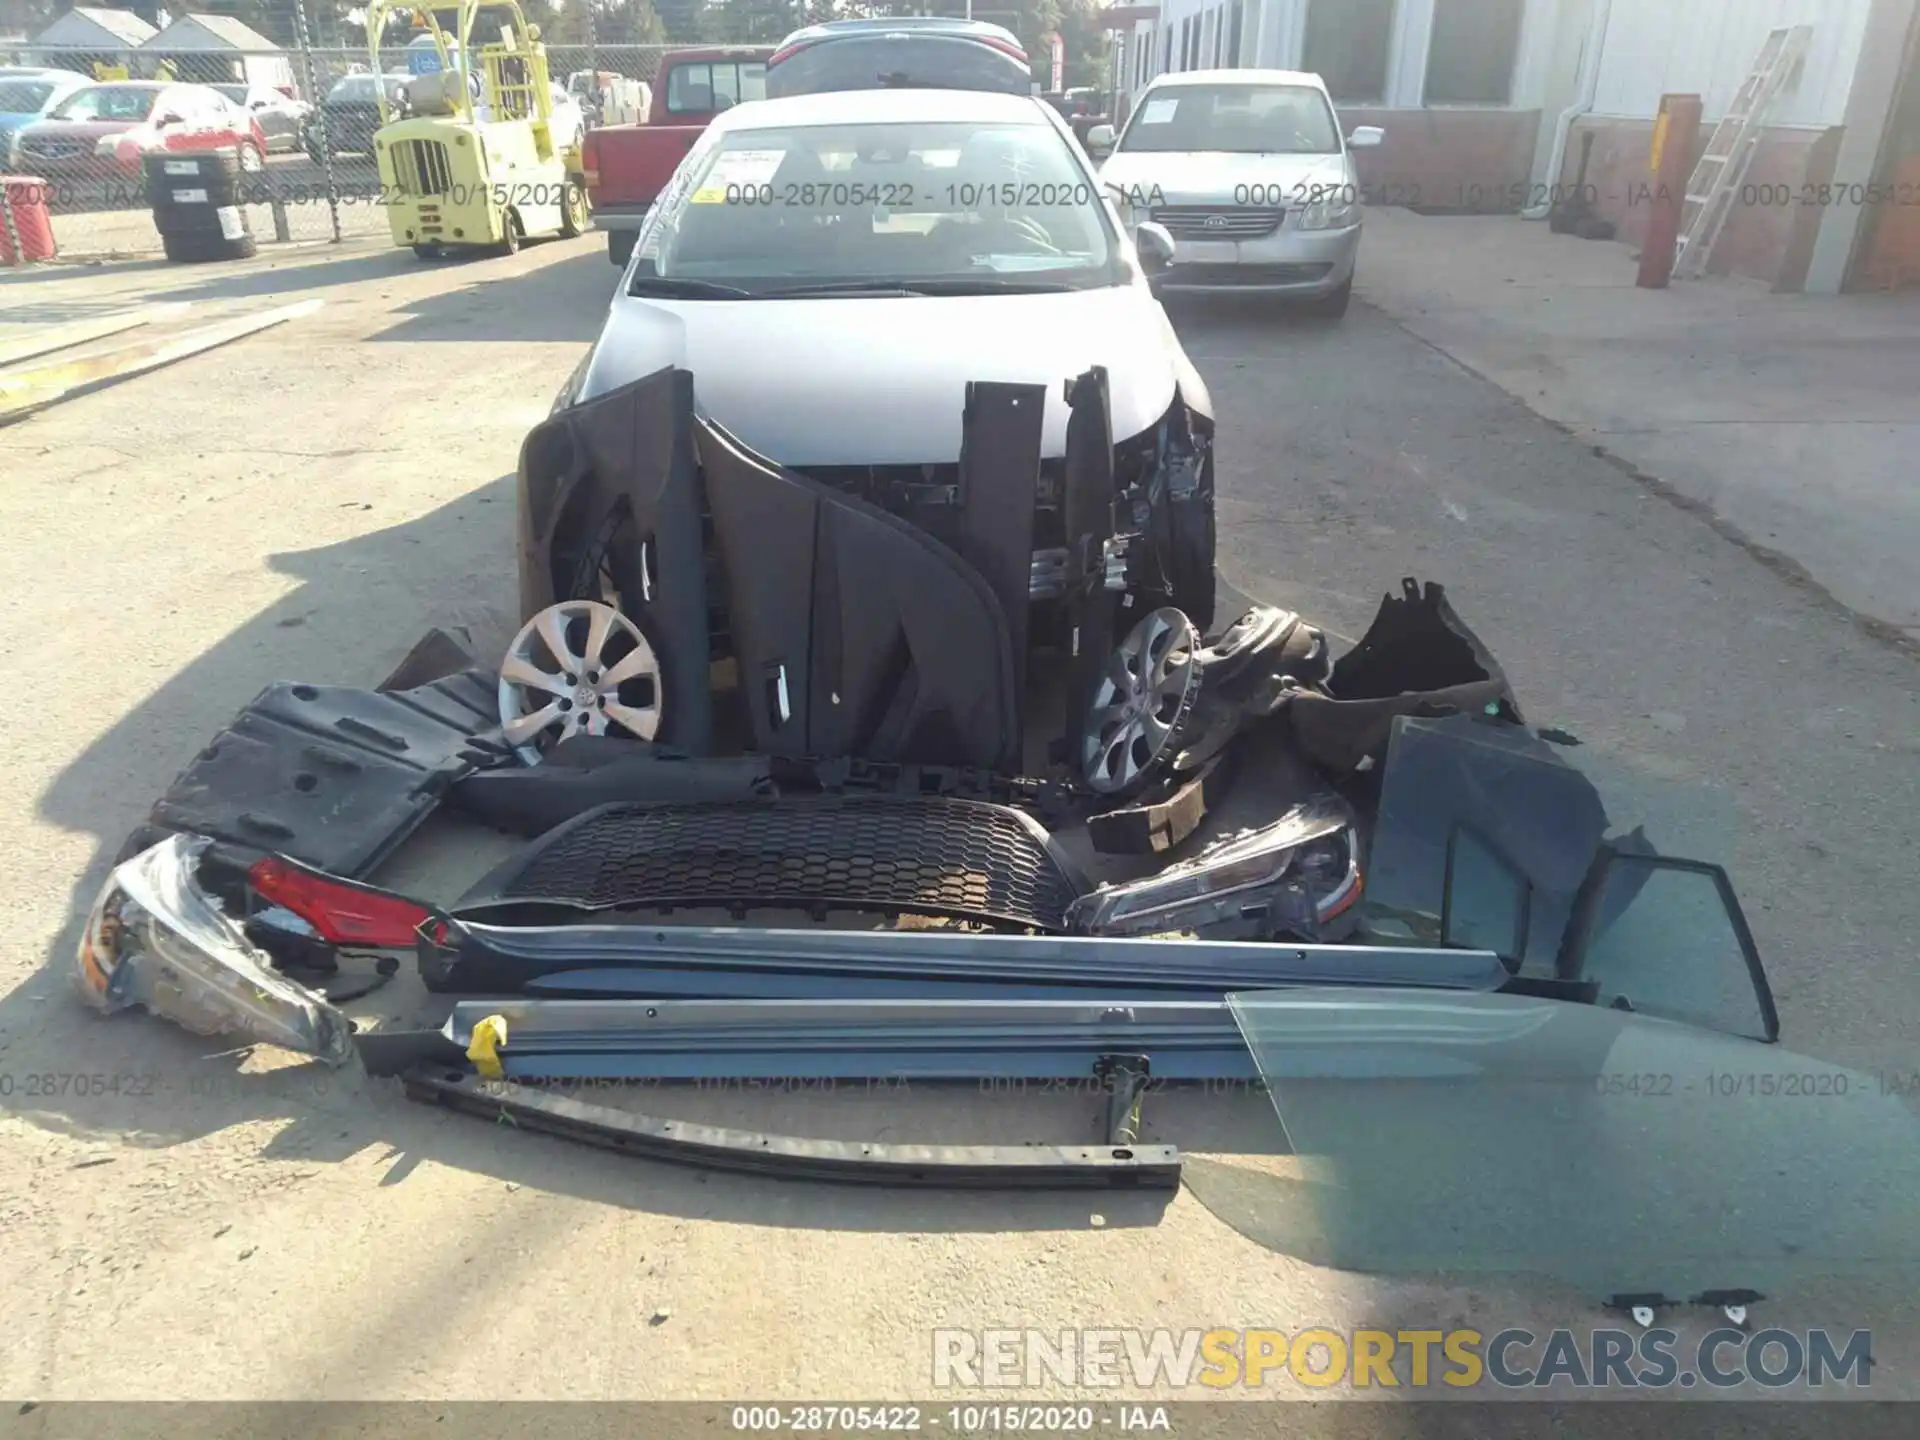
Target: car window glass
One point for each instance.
(1236, 119)
(106, 102)
(23, 97)
(700, 88)
(872, 62)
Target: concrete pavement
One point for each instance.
(178, 1219)
(1791, 420)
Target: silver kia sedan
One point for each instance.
(1248, 173)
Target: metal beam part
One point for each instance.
(478, 958)
(1142, 1167)
(851, 1040)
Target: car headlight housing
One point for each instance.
(1293, 877)
(156, 939)
(1333, 209)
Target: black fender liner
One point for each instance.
(618, 474)
(855, 633)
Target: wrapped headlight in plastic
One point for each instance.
(1291, 878)
(157, 940)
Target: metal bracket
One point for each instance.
(1076, 1167)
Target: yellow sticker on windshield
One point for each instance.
(738, 177)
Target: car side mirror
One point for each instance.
(1100, 140)
(258, 104)
(1365, 137)
(1155, 244)
(168, 118)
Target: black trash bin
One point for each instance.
(199, 205)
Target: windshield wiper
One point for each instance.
(691, 289)
(953, 285)
(881, 288)
(989, 285)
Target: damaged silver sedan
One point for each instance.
(837, 268)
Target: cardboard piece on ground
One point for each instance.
(79, 332)
(22, 391)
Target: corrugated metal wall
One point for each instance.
(1657, 47)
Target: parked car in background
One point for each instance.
(25, 98)
(627, 166)
(351, 112)
(1248, 172)
(107, 131)
(912, 51)
(283, 119)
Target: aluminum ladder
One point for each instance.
(1723, 166)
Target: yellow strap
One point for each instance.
(488, 1036)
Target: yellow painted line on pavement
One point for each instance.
(25, 390)
(79, 332)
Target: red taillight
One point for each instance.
(341, 912)
(1004, 47)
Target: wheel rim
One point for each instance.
(578, 668)
(1143, 695)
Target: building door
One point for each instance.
(1890, 257)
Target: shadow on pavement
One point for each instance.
(546, 300)
(135, 1080)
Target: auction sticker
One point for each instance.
(1158, 112)
(189, 197)
(232, 225)
(737, 170)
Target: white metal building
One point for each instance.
(94, 30)
(1485, 102)
(219, 48)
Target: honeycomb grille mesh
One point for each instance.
(961, 859)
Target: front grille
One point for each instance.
(1218, 222)
(962, 859)
(420, 167)
(52, 149)
(1249, 274)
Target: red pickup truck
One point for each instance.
(629, 165)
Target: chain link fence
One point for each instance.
(90, 124)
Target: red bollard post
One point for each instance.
(1675, 134)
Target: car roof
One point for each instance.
(855, 107)
(901, 24)
(1240, 77)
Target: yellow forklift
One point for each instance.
(477, 162)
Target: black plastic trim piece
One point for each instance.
(991, 1167)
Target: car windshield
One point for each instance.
(106, 102)
(887, 203)
(23, 97)
(354, 88)
(1235, 119)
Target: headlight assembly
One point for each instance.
(1292, 877)
(157, 940)
(1334, 208)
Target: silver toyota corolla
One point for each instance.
(1249, 174)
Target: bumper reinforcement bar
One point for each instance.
(1090, 1167)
